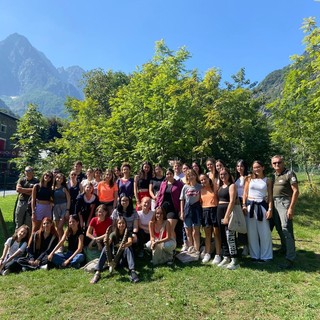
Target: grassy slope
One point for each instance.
(183, 291)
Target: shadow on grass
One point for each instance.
(306, 261)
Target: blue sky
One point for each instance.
(121, 34)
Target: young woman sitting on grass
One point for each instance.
(41, 243)
(161, 242)
(14, 248)
(74, 256)
(96, 231)
(118, 251)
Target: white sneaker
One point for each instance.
(216, 260)
(233, 265)
(206, 258)
(44, 267)
(184, 248)
(224, 262)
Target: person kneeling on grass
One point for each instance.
(14, 248)
(117, 251)
(74, 256)
(161, 242)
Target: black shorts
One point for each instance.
(209, 217)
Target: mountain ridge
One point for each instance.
(28, 76)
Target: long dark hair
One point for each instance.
(118, 235)
(111, 181)
(230, 179)
(141, 173)
(241, 162)
(26, 238)
(74, 217)
(253, 175)
(39, 233)
(49, 184)
(129, 210)
(63, 183)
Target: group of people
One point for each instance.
(170, 208)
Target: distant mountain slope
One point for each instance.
(272, 85)
(27, 76)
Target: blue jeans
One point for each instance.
(59, 258)
(126, 258)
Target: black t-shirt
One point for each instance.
(24, 183)
(156, 182)
(73, 240)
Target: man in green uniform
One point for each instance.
(285, 196)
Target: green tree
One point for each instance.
(237, 128)
(156, 116)
(296, 115)
(29, 138)
(83, 138)
(101, 86)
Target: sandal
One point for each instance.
(95, 278)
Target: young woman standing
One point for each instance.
(191, 210)
(41, 203)
(141, 183)
(61, 202)
(74, 190)
(241, 176)
(258, 195)
(168, 198)
(209, 221)
(108, 191)
(125, 183)
(154, 185)
(227, 195)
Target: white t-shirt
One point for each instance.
(14, 247)
(145, 218)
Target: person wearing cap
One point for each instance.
(285, 196)
(24, 189)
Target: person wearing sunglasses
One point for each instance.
(24, 190)
(285, 196)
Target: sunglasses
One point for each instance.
(277, 162)
(28, 170)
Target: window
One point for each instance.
(3, 128)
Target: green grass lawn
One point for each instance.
(191, 291)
